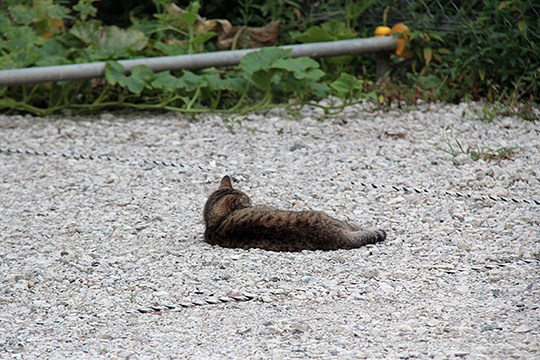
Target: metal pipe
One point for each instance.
(190, 62)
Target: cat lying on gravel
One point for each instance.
(232, 221)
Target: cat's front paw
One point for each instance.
(380, 235)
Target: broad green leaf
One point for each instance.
(191, 81)
(51, 53)
(88, 32)
(234, 84)
(47, 10)
(170, 49)
(194, 7)
(142, 72)
(262, 59)
(337, 27)
(314, 34)
(372, 95)
(165, 81)
(182, 19)
(302, 67)
(114, 72)
(328, 31)
(56, 11)
(22, 14)
(355, 9)
(314, 74)
(302, 88)
(19, 58)
(263, 79)
(347, 86)
(258, 66)
(215, 82)
(85, 9)
(320, 90)
(21, 37)
(134, 84)
(116, 40)
(202, 38)
(5, 24)
(108, 42)
(190, 15)
(188, 18)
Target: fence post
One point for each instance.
(382, 64)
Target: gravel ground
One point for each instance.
(89, 244)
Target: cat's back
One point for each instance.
(268, 217)
(282, 230)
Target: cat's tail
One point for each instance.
(365, 237)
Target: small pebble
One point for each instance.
(522, 329)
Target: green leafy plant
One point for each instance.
(328, 31)
(108, 42)
(262, 79)
(344, 27)
(516, 41)
(347, 87)
(274, 73)
(463, 62)
(174, 21)
(493, 53)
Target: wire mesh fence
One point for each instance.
(435, 15)
(441, 15)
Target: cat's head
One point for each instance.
(223, 202)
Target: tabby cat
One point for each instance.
(232, 221)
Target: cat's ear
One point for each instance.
(225, 182)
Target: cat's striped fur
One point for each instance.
(232, 221)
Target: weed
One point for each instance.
(503, 153)
(488, 112)
(496, 54)
(133, 296)
(230, 124)
(477, 153)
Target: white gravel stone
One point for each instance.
(89, 244)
